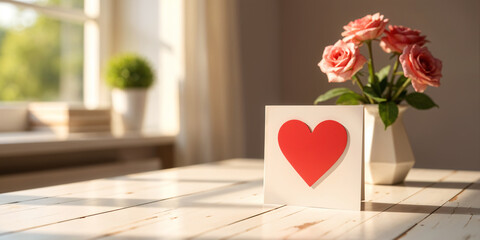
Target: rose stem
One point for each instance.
(356, 79)
(399, 91)
(395, 67)
(371, 69)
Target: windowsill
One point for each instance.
(28, 143)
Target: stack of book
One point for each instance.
(64, 118)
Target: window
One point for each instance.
(48, 48)
(86, 34)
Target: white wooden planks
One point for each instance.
(458, 218)
(408, 212)
(147, 188)
(224, 201)
(317, 223)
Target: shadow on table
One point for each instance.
(412, 208)
(164, 200)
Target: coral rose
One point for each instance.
(398, 37)
(421, 67)
(341, 61)
(366, 28)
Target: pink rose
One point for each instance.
(341, 61)
(398, 37)
(421, 67)
(366, 28)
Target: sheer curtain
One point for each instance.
(211, 110)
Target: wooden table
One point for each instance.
(224, 200)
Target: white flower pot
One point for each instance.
(388, 154)
(129, 106)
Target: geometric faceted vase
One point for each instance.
(388, 154)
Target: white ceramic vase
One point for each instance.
(388, 154)
(129, 106)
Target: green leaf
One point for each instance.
(383, 73)
(400, 81)
(382, 80)
(388, 113)
(383, 85)
(331, 94)
(350, 98)
(401, 97)
(420, 101)
(375, 85)
(372, 94)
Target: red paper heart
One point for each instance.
(312, 154)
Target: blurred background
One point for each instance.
(287, 39)
(218, 63)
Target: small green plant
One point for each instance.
(129, 71)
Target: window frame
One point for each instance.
(96, 20)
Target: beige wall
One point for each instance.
(260, 54)
(283, 41)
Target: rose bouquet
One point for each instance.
(387, 87)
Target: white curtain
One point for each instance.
(211, 111)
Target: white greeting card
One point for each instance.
(314, 156)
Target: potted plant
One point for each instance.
(388, 154)
(129, 76)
